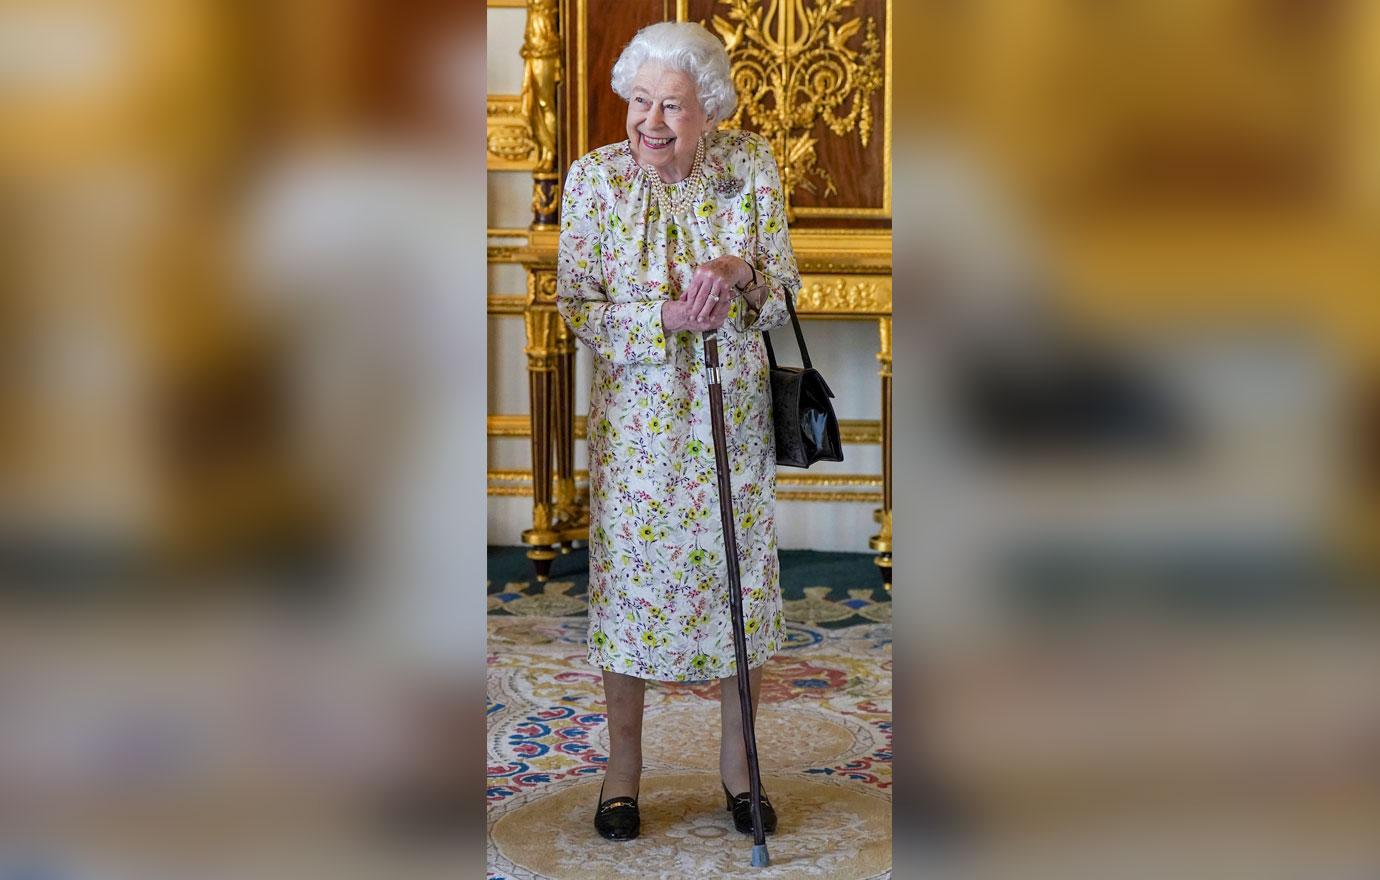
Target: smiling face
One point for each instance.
(665, 120)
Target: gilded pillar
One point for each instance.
(541, 53)
(559, 515)
(881, 542)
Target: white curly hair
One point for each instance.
(687, 47)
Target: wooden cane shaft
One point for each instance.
(735, 588)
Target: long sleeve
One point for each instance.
(619, 332)
(773, 259)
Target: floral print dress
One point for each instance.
(658, 589)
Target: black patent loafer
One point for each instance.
(741, 808)
(617, 818)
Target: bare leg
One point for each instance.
(732, 753)
(624, 695)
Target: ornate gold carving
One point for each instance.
(845, 294)
(541, 289)
(793, 66)
(884, 355)
(546, 198)
(542, 322)
(518, 484)
(808, 495)
(541, 53)
(510, 143)
(881, 542)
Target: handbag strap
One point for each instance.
(799, 338)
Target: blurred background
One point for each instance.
(1137, 280)
(238, 292)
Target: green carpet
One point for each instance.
(827, 589)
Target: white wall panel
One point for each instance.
(504, 41)
(510, 199)
(507, 365)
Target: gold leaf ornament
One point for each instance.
(794, 68)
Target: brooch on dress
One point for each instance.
(728, 186)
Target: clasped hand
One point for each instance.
(710, 294)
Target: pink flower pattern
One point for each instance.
(658, 592)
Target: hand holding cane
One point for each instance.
(735, 592)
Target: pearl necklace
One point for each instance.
(686, 190)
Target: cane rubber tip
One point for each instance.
(760, 859)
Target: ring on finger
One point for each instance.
(713, 297)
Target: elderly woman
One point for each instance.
(677, 230)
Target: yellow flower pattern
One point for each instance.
(658, 596)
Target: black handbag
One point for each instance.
(806, 429)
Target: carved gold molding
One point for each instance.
(807, 495)
(507, 303)
(504, 244)
(867, 431)
(842, 250)
(511, 146)
(823, 487)
(833, 480)
(845, 295)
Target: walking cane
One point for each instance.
(735, 592)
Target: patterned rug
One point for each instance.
(824, 735)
